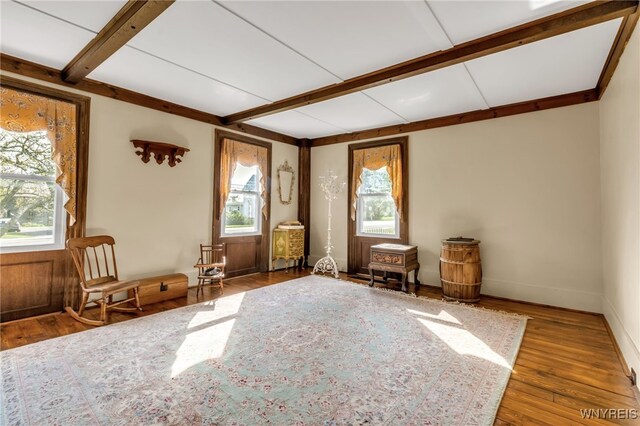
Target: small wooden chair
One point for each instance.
(211, 266)
(90, 255)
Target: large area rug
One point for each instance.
(314, 351)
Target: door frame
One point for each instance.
(263, 262)
(352, 246)
(63, 275)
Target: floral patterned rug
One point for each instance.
(314, 351)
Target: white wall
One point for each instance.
(158, 214)
(281, 212)
(620, 177)
(527, 186)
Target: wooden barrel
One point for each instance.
(460, 270)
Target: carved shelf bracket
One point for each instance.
(159, 151)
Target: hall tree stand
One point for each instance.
(331, 188)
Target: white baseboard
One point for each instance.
(629, 350)
(553, 296)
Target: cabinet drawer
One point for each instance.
(387, 258)
(296, 235)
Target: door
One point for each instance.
(242, 182)
(373, 216)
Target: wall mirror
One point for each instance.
(285, 183)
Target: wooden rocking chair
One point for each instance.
(211, 266)
(90, 255)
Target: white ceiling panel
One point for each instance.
(36, 37)
(93, 15)
(205, 37)
(137, 71)
(296, 124)
(348, 38)
(468, 20)
(352, 112)
(567, 63)
(436, 94)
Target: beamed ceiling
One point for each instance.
(330, 71)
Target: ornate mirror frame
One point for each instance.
(285, 168)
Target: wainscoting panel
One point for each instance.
(31, 283)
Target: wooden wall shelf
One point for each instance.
(159, 151)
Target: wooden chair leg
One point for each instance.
(73, 314)
(78, 315)
(135, 292)
(103, 310)
(83, 303)
(221, 286)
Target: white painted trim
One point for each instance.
(630, 351)
(546, 295)
(560, 297)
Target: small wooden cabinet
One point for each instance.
(395, 258)
(288, 244)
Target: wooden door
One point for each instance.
(359, 246)
(246, 254)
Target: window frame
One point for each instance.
(353, 244)
(262, 240)
(83, 110)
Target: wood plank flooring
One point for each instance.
(567, 361)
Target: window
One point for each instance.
(243, 206)
(32, 212)
(376, 211)
(378, 198)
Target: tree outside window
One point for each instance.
(30, 200)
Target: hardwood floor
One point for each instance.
(567, 361)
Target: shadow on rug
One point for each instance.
(309, 351)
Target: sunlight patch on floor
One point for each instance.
(210, 329)
(202, 345)
(217, 309)
(442, 316)
(463, 342)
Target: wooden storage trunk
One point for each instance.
(161, 288)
